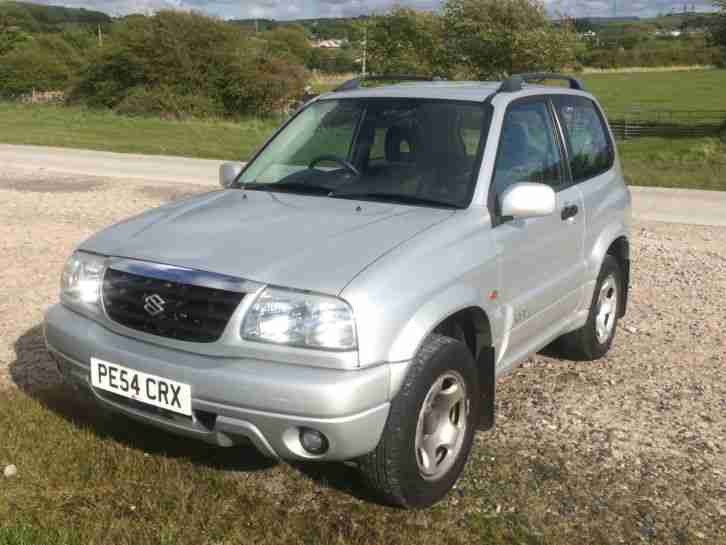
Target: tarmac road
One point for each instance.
(649, 203)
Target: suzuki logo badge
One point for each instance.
(155, 304)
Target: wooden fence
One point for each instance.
(640, 122)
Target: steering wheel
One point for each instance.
(347, 165)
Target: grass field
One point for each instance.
(86, 477)
(690, 162)
(72, 127)
(668, 89)
(676, 90)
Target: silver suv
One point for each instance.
(356, 289)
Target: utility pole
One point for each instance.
(365, 49)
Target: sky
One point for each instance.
(299, 9)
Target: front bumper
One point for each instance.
(234, 400)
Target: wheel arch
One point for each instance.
(614, 241)
(476, 321)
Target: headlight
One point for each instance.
(82, 277)
(301, 319)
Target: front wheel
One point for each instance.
(430, 427)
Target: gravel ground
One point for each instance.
(631, 448)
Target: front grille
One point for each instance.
(168, 309)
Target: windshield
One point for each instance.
(423, 152)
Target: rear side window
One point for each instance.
(588, 141)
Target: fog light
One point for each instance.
(313, 441)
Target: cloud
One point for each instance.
(608, 8)
(118, 7)
(326, 8)
(295, 9)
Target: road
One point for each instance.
(158, 168)
(649, 204)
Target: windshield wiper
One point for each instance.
(395, 197)
(292, 187)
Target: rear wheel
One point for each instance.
(594, 339)
(430, 427)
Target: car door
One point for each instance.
(541, 260)
(591, 153)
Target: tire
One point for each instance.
(397, 469)
(587, 343)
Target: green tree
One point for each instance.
(45, 62)
(332, 61)
(471, 38)
(15, 24)
(32, 66)
(261, 85)
(179, 64)
(495, 38)
(18, 16)
(183, 51)
(405, 41)
(288, 41)
(11, 37)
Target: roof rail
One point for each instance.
(357, 83)
(516, 82)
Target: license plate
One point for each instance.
(150, 389)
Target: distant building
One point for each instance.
(329, 44)
(669, 33)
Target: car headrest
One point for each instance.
(395, 138)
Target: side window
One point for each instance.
(528, 148)
(588, 141)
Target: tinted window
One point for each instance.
(591, 151)
(528, 149)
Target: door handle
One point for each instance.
(570, 211)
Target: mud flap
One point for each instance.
(626, 287)
(487, 380)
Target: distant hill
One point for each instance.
(42, 18)
(340, 28)
(685, 20)
(608, 20)
(682, 21)
(322, 29)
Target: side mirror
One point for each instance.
(528, 200)
(228, 173)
